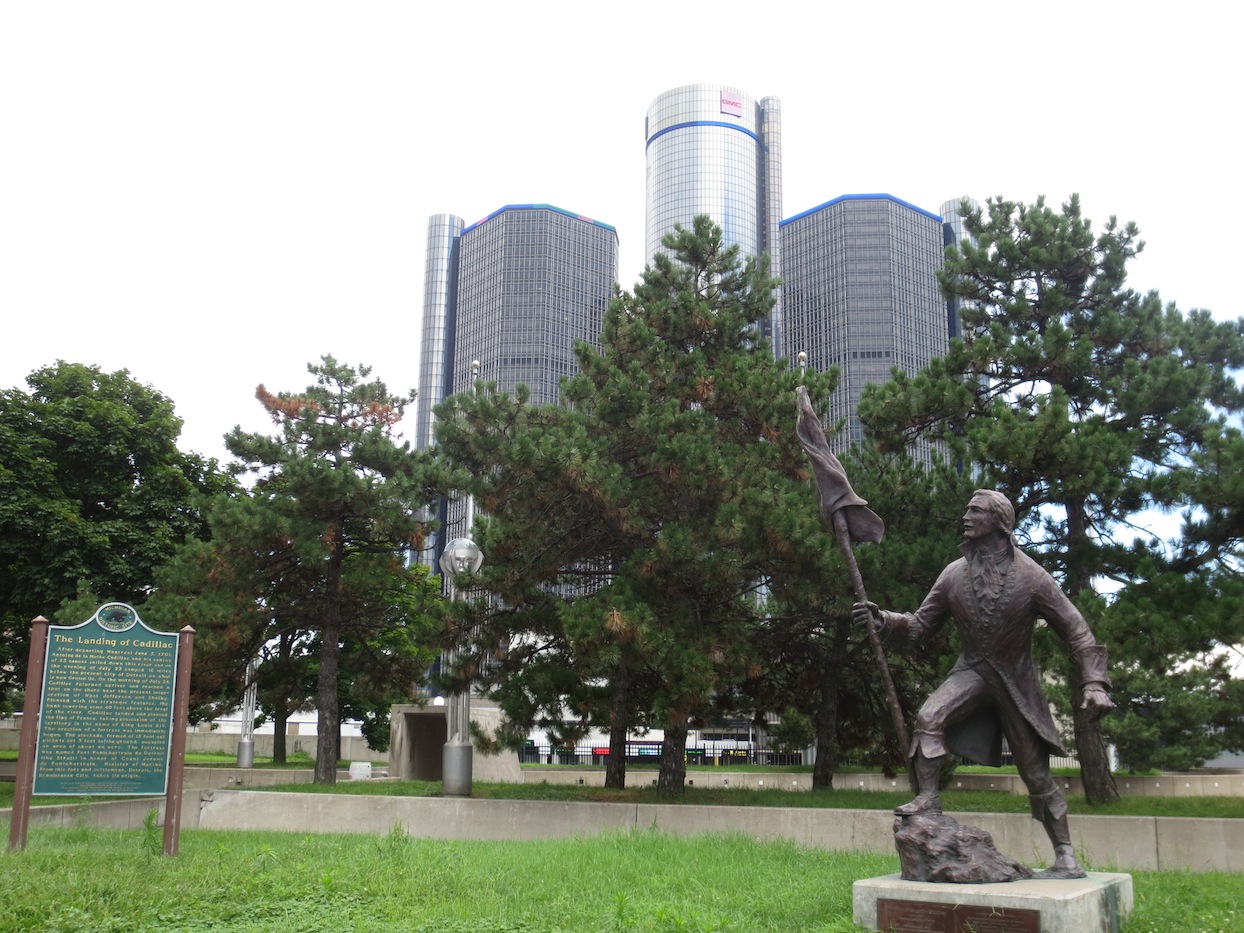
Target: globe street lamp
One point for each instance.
(461, 555)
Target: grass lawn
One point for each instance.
(957, 801)
(75, 880)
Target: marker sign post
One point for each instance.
(108, 711)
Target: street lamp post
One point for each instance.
(461, 555)
(246, 744)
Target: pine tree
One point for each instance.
(654, 546)
(640, 537)
(311, 562)
(1076, 396)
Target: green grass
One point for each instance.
(74, 880)
(953, 800)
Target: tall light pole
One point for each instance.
(461, 555)
(246, 744)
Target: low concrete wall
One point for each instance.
(1192, 784)
(353, 747)
(235, 778)
(109, 814)
(1105, 843)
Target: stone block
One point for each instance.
(1099, 903)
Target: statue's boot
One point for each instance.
(928, 775)
(1065, 864)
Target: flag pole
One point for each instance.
(843, 534)
(840, 505)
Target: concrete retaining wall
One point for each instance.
(109, 814)
(1104, 843)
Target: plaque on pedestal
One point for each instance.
(899, 916)
(1096, 904)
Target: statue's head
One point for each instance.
(988, 512)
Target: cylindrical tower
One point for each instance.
(771, 203)
(953, 233)
(711, 149)
(436, 355)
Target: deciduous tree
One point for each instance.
(93, 491)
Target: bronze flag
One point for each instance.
(831, 479)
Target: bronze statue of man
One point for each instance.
(995, 593)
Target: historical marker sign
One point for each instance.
(106, 721)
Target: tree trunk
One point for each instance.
(826, 736)
(327, 726)
(1079, 546)
(1099, 786)
(280, 724)
(619, 723)
(827, 710)
(673, 759)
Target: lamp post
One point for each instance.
(461, 555)
(246, 744)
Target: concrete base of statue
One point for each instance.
(1097, 904)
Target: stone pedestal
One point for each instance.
(1096, 904)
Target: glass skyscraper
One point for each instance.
(533, 281)
(860, 292)
(711, 149)
(515, 291)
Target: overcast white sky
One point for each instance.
(211, 195)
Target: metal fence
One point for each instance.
(650, 753)
(723, 755)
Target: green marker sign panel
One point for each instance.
(107, 714)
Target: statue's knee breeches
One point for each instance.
(963, 692)
(930, 744)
